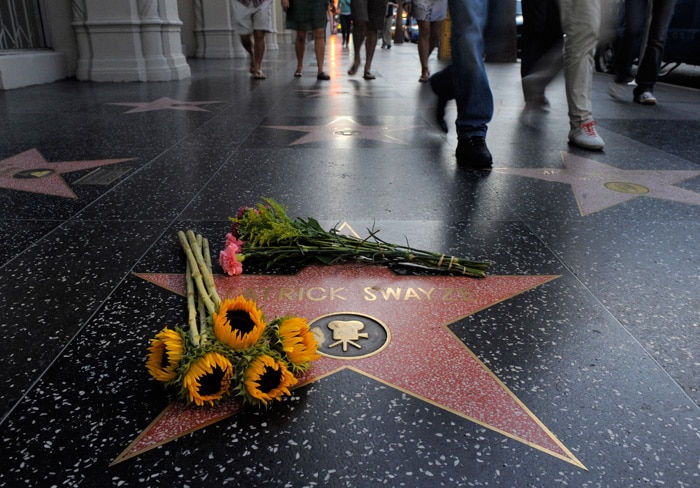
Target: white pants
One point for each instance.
(580, 21)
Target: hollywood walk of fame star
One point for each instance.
(598, 186)
(29, 171)
(165, 103)
(342, 128)
(423, 358)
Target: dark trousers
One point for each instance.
(648, 72)
(541, 32)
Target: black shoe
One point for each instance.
(322, 76)
(441, 103)
(473, 153)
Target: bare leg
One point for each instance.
(370, 45)
(435, 34)
(247, 43)
(258, 53)
(319, 47)
(424, 48)
(359, 32)
(299, 47)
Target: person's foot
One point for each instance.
(355, 66)
(473, 153)
(645, 98)
(322, 76)
(441, 103)
(259, 75)
(587, 137)
(297, 74)
(369, 76)
(425, 76)
(533, 91)
(617, 91)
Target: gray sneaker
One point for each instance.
(645, 98)
(586, 137)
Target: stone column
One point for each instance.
(128, 40)
(214, 30)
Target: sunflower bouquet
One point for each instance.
(266, 232)
(228, 347)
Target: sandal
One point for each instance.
(423, 78)
(259, 75)
(369, 76)
(322, 76)
(297, 74)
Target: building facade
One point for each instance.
(102, 40)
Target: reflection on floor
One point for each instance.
(573, 363)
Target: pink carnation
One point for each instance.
(229, 261)
(231, 240)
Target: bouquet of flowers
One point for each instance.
(229, 348)
(265, 232)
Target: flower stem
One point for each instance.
(191, 310)
(196, 273)
(205, 271)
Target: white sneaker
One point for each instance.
(645, 98)
(586, 137)
(617, 91)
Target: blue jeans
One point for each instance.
(471, 85)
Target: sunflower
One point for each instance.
(164, 354)
(298, 341)
(239, 323)
(267, 379)
(208, 379)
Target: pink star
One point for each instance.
(165, 103)
(421, 356)
(29, 171)
(598, 186)
(341, 130)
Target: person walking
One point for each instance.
(253, 19)
(304, 16)
(628, 47)
(430, 16)
(367, 21)
(541, 51)
(388, 23)
(466, 81)
(580, 22)
(344, 18)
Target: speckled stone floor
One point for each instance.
(574, 363)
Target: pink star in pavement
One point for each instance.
(29, 171)
(166, 103)
(598, 186)
(420, 355)
(341, 130)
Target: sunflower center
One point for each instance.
(164, 360)
(211, 383)
(269, 380)
(240, 320)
